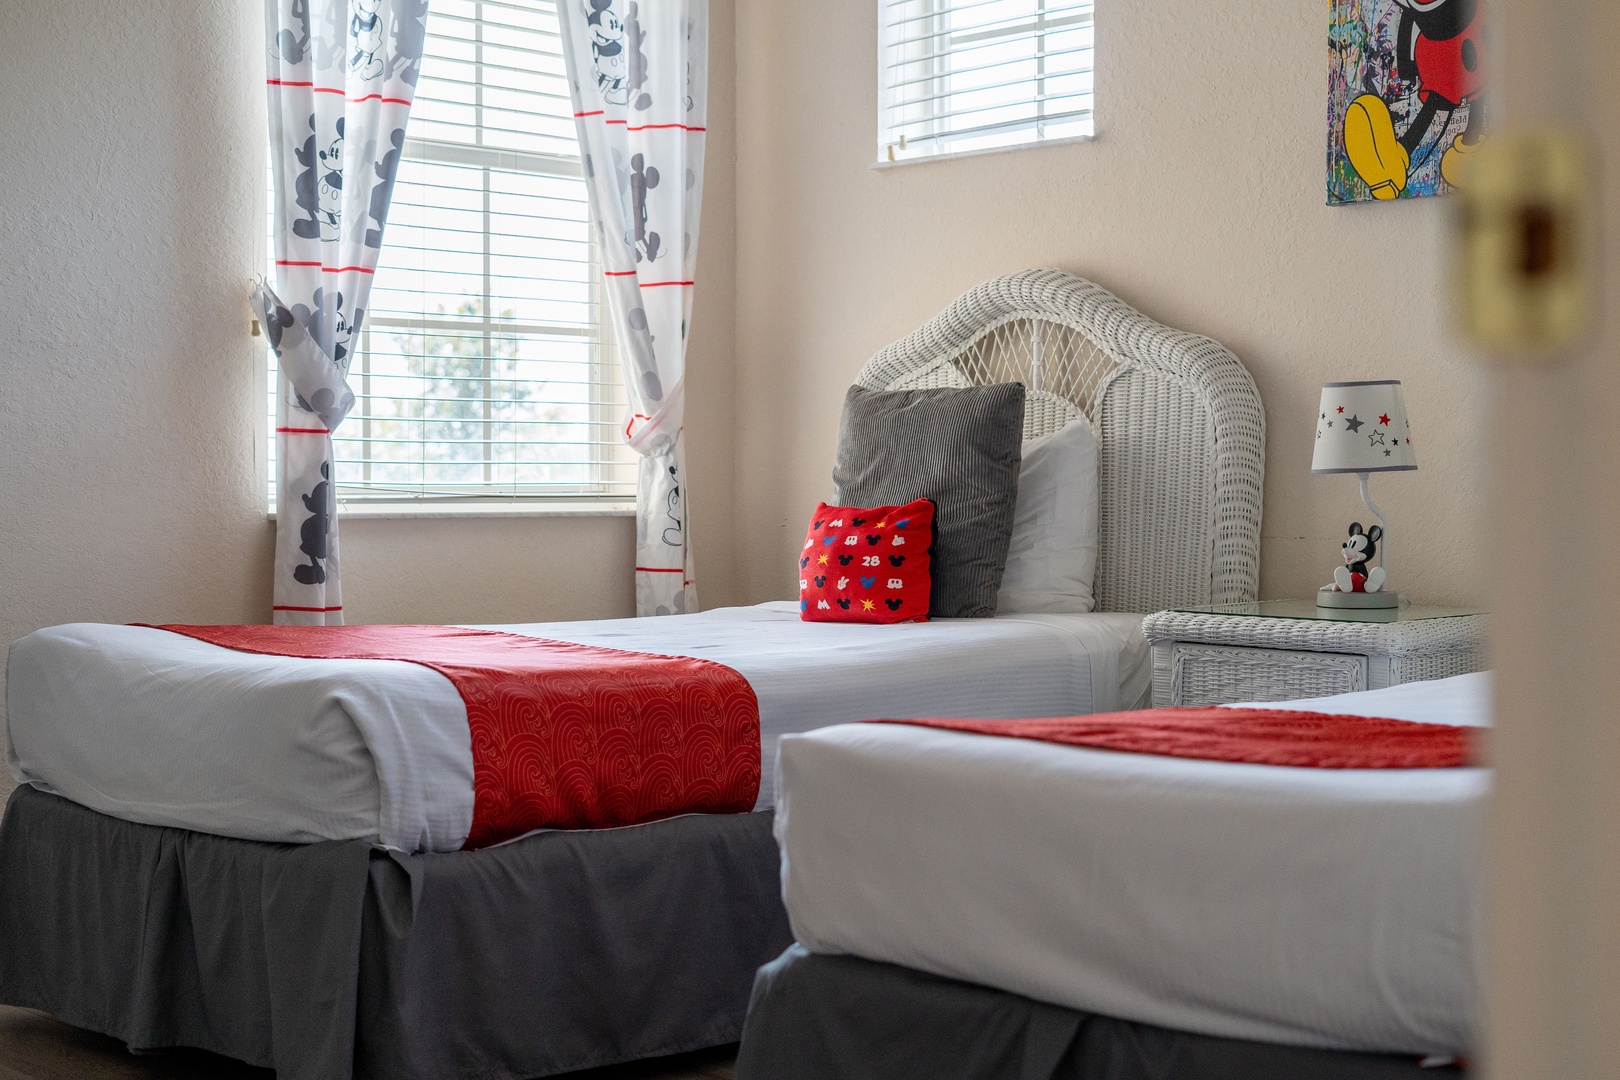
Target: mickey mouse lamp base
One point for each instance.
(1330, 597)
(1355, 584)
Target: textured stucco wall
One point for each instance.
(129, 455)
(711, 422)
(131, 452)
(1201, 202)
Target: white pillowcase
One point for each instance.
(1052, 558)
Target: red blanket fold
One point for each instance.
(563, 736)
(1258, 736)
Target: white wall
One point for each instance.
(131, 453)
(1200, 201)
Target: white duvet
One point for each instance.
(1317, 907)
(155, 727)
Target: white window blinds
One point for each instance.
(482, 369)
(962, 75)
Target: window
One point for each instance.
(483, 370)
(964, 75)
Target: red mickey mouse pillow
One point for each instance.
(867, 564)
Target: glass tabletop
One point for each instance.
(1307, 609)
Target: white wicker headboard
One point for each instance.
(1178, 419)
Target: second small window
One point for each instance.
(962, 75)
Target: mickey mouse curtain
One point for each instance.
(341, 75)
(639, 77)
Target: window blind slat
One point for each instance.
(893, 9)
(514, 54)
(962, 57)
(992, 128)
(1041, 109)
(515, 9)
(998, 86)
(904, 92)
(408, 325)
(1007, 29)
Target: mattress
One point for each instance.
(157, 728)
(1326, 908)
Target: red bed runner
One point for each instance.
(1258, 736)
(563, 736)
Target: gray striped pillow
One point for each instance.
(958, 447)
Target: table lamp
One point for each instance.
(1361, 428)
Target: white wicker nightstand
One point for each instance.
(1279, 650)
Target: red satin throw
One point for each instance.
(1258, 736)
(563, 736)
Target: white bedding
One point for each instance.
(1316, 907)
(155, 727)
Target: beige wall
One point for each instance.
(131, 461)
(129, 472)
(711, 422)
(1200, 201)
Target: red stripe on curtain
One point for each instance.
(336, 90)
(324, 269)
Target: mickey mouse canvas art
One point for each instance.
(1407, 80)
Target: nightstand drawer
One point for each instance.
(1217, 674)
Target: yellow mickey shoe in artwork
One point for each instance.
(1455, 161)
(1375, 153)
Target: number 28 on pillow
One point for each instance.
(867, 564)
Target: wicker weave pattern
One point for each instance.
(1179, 424)
(1203, 659)
(1403, 639)
(1441, 665)
(1217, 674)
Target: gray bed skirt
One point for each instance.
(557, 952)
(842, 1018)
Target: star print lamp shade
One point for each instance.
(1361, 428)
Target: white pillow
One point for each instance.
(1052, 558)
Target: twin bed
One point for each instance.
(154, 727)
(1234, 909)
(258, 854)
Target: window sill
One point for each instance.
(985, 152)
(532, 509)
